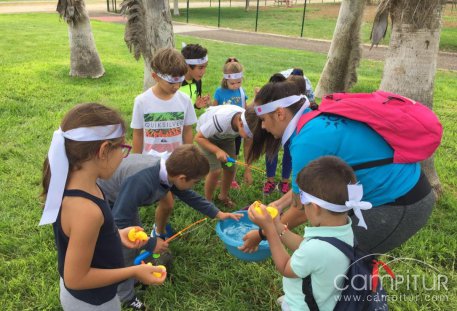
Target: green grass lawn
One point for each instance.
(36, 91)
(320, 20)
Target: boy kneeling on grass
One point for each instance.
(327, 190)
(144, 179)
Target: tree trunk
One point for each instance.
(410, 63)
(84, 59)
(246, 6)
(148, 29)
(175, 7)
(159, 33)
(343, 58)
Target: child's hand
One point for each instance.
(251, 242)
(144, 273)
(262, 218)
(161, 246)
(221, 155)
(221, 215)
(124, 234)
(202, 101)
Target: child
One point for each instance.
(162, 117)
(231, 92)
(217, 129)
(328, 191)
(196, 58)
(144, 179)
(88, 145)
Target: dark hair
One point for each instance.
(187, 160)
(264, 141)
(78, 152)
(193, 51)
(231, 60)
(170, 62)
(300, 82)
(297, 72)
(277, 77)
(327, 178)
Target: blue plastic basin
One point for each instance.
(231, 232)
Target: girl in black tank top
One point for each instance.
(87, 146)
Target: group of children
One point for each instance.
(94, 188)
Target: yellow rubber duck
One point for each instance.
(135, 235)
(158, 274)
(270, 209)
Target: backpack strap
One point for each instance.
(307, 289)
(345, 248)
(305, 118)
(243, 98)
(312, 114)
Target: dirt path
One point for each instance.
(97, 11)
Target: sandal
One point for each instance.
(226, 202)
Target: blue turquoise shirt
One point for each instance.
(229, 97)
(324, 262)
(355, 143)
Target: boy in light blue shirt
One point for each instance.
(328, 190)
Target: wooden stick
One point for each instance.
(179, 233)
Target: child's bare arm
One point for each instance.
(138, 140)
(187, 134)
(279, 254)
(205, 143)
(290, 239)
(82, 225)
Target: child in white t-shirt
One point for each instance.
(162, 119)
(217, 130)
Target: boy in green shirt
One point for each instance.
(328, 190)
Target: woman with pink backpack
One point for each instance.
(400, 193)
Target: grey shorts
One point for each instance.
(228, 145)
(70, 303)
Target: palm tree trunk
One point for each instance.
(148, 29)
(339, 73)
(410, 63)
(84, 59)
(175, 7)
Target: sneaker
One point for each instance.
(168, 232)
(235, 185)
(135, 304)
(280, 300)
(284, 187)
(269, 187)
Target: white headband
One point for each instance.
(237, 75)
(171, 79)
(272, 106)
(355, 194)
(245, 125)
(197, 61)
(58, 162)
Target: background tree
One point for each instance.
(176, 7)
(84, 59)
(410, 64)
(148, 29)
(343, 58)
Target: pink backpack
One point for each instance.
(410, 128)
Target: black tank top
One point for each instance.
(107, 253)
